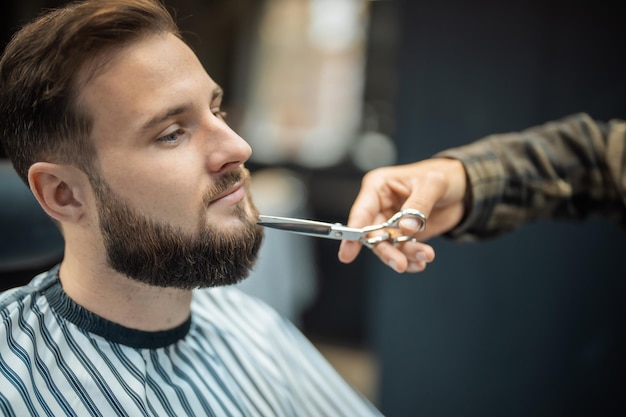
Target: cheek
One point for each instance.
(167, 185)
(163, 197)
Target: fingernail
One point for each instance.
(421, 257)
(392, 264)
(415, 267)
(410, 223)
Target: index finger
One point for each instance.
(365, 210)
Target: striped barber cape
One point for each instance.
(235, 356)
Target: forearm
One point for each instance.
(569, 169)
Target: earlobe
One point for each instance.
(57, 188)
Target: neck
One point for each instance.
(123, 300)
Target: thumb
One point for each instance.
(425, 193)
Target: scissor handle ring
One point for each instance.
(395, 219)
(402, 239)
(370, 242)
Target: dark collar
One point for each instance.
(113, 332)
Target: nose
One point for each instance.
(225, 149)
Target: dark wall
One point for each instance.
(531, 324)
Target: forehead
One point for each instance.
(142, 78)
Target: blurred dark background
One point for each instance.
(531, 324)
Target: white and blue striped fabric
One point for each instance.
(234, 357)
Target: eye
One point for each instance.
(219, 113)
(172, 137)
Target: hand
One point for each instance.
(435, 186)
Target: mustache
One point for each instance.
(224, 183)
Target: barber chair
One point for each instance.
(30, 242)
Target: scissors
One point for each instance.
(369, 236)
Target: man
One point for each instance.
(110, 118)
(567, 169)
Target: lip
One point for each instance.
(231, 196)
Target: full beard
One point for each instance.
(159, 254)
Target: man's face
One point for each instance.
(172, 193)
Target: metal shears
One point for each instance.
(369, 236)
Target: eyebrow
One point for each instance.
(176, 110)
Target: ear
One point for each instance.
(61, 190)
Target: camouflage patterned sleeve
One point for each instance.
(569, 169)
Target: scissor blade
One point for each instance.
(300, 226)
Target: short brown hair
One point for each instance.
(40, 70)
